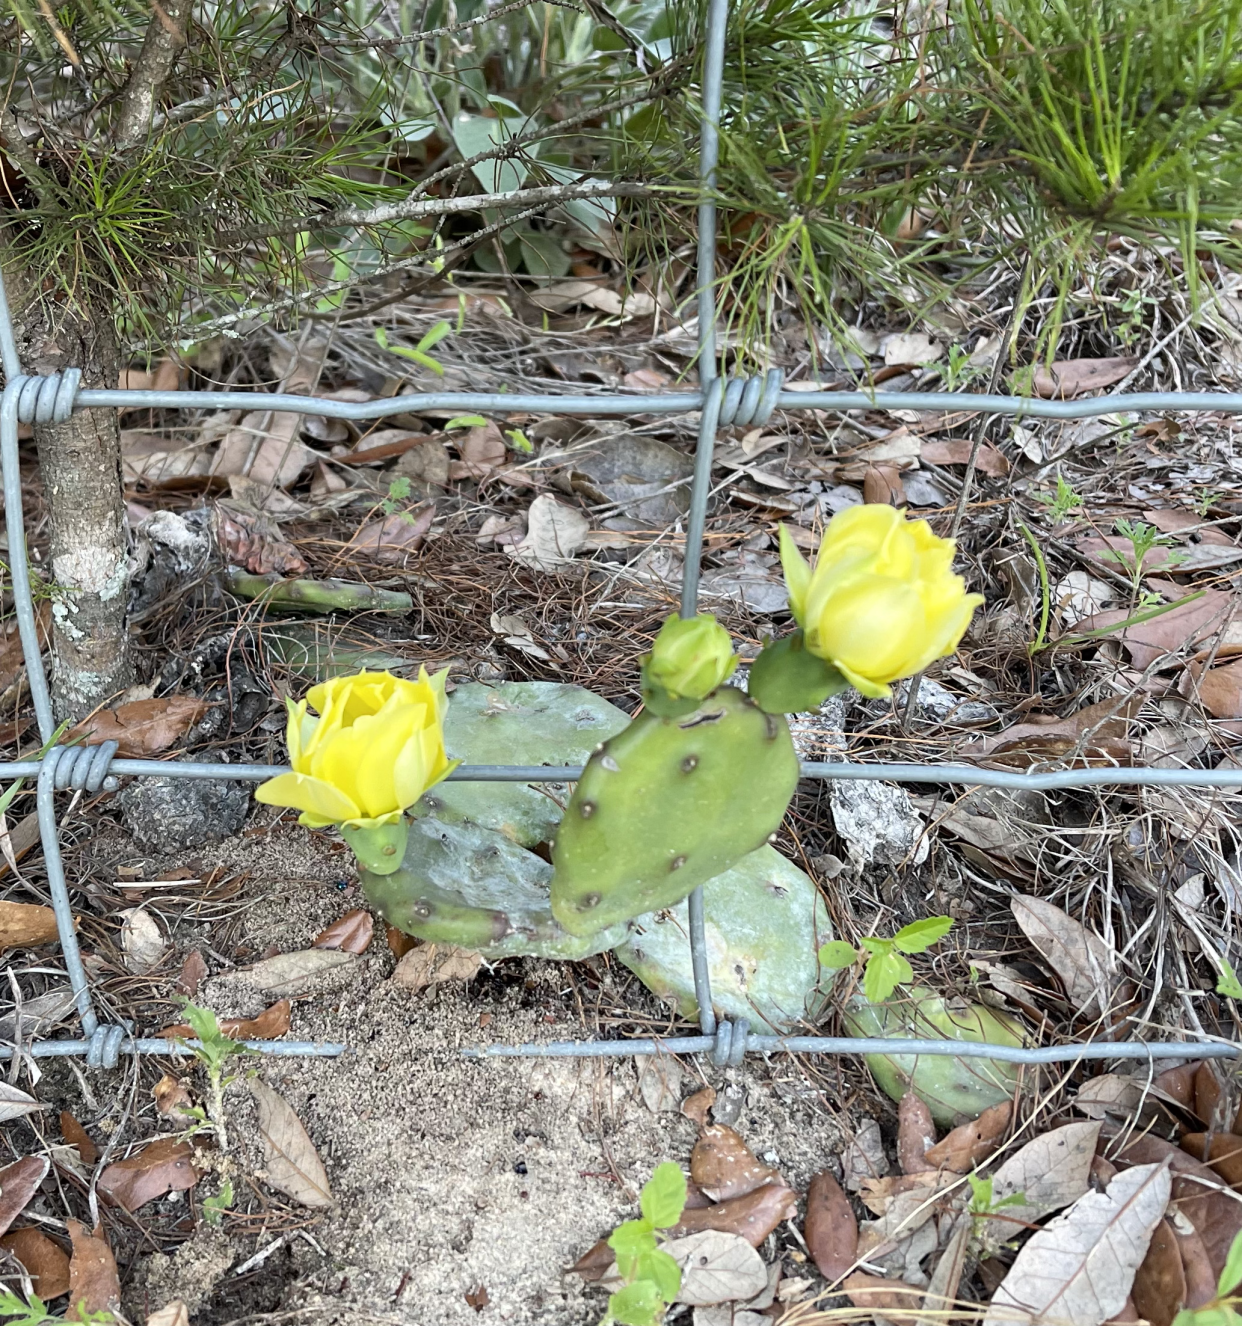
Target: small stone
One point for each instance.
(172, 813)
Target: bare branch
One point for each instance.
(42, 184)
(388, 43)
(406, 209)
(165, 38)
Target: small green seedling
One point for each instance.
(519, 441)
(983, 1203)
(398, 496)
(884, 967)
(213, 1051)
(1224, 1309)
(957, 370)
(1228, 985)
(465, 421)
(1060, 502)
(213, 1208)
(1143, 538)
(15, 1311)
(652, 1278)
(418, 353)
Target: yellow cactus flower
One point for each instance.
(376, 747)
(882, 601)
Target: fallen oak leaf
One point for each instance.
(394, 538)
(94, 1285)
(717, 1267)
(25, 924)
(18, 1184)
(724, 1166)
(193, 973)
(269, 1024)
(292, 1163)
(831, 1228)
(351, 934)
(1084, 962)
(14, 1103)
(1049, 1172)
(45, 1262)
(77, 1136)
(163, 1166)
(171, 1314)
(970, 1144)
(1081, 1266)
(889, 1299)
(304, 971)
(1072, 377)
(916, 1132)
(956, 451)
(435, 964)
(142, 727)
(754, 1216)
(172, 1097)
(1159, 1291)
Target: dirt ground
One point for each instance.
(463, 1188)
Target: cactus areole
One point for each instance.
(668, 804)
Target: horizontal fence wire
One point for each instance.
(720, 401)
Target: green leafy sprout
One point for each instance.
(1228, 985)
(884, 967)
(1223, 1310)
(1061, 502)
(418, 353)
(1143, 539)
(214, 1052)
(652, 1278)
(15, 1311)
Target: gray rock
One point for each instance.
(171, 813)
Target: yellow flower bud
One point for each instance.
(691, 656)
(376, 747)
(882, 601)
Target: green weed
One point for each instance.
(884, 967)
(652, 1278)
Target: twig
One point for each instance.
(387, 43)
(41, 183)
(408, 208)
(165, 38)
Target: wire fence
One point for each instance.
(722, 402)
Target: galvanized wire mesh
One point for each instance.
(722, 402)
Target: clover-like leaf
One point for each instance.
(921, 935)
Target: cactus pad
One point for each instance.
(668, 804)
(953, 1089)
(532, 722)
(472, 886)
(764, 923)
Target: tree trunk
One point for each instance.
(80, 463)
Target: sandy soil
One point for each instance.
(450, 1175)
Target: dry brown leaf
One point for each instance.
(1198, 1193)
(1179, 628)
(45, 1262)
(916, 1132)
(163, 1166)
(351, 934)
(193, 973)
(1178, 1084)
(1050, 1171)
(1219, 689)
(252, 539)
(77, 1136)
(482, 451)
(555, 533)
(882, 486)
(288, 975)
(1080, 1267)
(392, 539)
(889, 1299)
(1196, 1264)
(14, 1103)
(478, 1297)
(717, 1267)
(269, 1024)
(172, 1098)
(384, 444)
(26, 833)
(754, 1216)
(970, 1144)
(142, 941)
(1073, 377)
(24, 924)
(1159, 1291)
(956, 451)
(18, 1184)
(595, 1263)
(877, 1194)
(171, 1314)
(831, 1228)
(1052, 738)
(1086, 965)
(94, 1285)
(292, 1163)
(264, 447)
(696, 1106)
(1224, 1155)
(725, 1167)
(142, 727)
(435, 964)
(399, 943)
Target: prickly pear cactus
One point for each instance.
(529, 722)
(764, 922)
(953, 1089)
(472, 886)
(668, 804)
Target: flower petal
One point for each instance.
(797, 574)
(312, 795)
